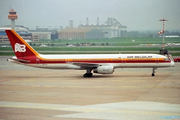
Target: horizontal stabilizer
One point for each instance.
(18, 60)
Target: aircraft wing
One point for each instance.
(85, 65)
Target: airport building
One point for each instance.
(49, 32)
(21, 30)
(80, 33)
(110, 29)
(42, 35)
(30, 35)
(48, 28)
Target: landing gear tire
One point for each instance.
(153, 71)
(87, 75)
(153, 74)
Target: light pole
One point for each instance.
(162, 32)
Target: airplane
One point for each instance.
(98, 63)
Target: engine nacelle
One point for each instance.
(104, 70)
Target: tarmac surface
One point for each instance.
(131, 94)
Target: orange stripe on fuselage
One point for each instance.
(103, 59)
(107, 60)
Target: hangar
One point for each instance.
(81, 33)
(110, 29)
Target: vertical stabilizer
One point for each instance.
(21, 48)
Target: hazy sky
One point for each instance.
(135, 14)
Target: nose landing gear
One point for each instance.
(153, 71)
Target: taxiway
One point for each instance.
(32, 93)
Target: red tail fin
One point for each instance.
(20, 47)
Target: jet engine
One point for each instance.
(104, 70)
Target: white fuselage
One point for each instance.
(115, 60)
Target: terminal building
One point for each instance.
(21, 30)
(43, 33)
(110, 29)
(49, 32)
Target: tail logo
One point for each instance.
(20, 48)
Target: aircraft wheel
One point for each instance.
(87, 75)
(90, 74)
(153, 71)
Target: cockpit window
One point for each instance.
(168, 57)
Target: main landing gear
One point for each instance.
(153, 71)
(88, 73)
